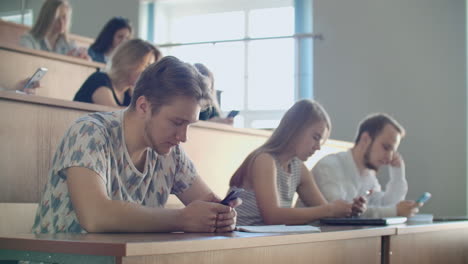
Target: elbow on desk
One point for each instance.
(94, 221)
(91, 225)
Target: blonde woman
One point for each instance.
(50, 32)
(275, 171)
(114, 87)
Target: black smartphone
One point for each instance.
(40, 72)
(232, 114)
(232, 195)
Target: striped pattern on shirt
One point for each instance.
(287, 184)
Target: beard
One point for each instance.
(367, 162)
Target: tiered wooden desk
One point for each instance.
(411, 243)
(65, 74)
(440, 242)
(343, 245)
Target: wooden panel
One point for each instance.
(217, 154)
(29, 136)
(16, 217)
(145, 244)
(64, 78)
(362, 250)
(32, 128)
(444, 246)
(12, 32)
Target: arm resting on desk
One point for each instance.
(96, 212)
(264, 176)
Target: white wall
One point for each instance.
(407, 58)
(15, 6)
(89, 16)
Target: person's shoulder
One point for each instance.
(96, 55)
(263, 161)
(99, 77)
(331, 159)
(265, 158)
(27, 40)
(100, 120)
(27, 36)
(328, 166)
(91, 52)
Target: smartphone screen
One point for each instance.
(232, 195)
(233, 113)
(40, 72)
(424, 197)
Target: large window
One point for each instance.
(248, 45)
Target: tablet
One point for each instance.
(363, 221)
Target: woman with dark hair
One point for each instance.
(116, 31)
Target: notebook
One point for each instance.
(278, 228)
(363, 221)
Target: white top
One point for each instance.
(62, 46)
(338, 177)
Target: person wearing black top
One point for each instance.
(96, 80)
(212, 113)
(114, 87)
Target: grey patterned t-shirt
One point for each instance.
(96, 142)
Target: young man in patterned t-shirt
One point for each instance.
(113, 172)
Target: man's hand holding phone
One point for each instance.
(209, 215)
(227, 222)
(233, 197)
(360, 204)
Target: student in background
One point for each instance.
(113, 172)
(115, 32)
(115, 86)
(349, 174)
(212, 113)
(275, 171)
(50, 32)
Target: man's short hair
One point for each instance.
(169, 78)
(375, 123)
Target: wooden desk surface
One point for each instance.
(135, 244)
(50, 55)
(413, 228)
